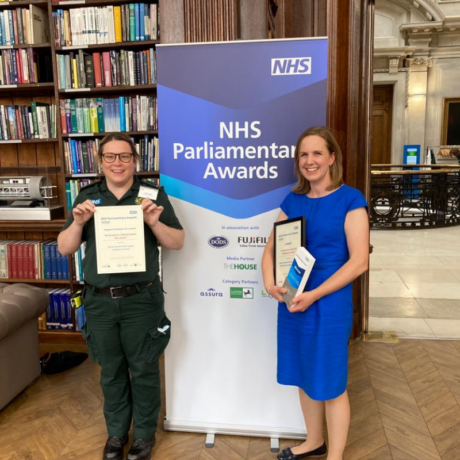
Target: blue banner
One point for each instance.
(229, 116)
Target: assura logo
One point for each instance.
(211, 292)
(218, 242)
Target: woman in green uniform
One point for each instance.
(126, 329)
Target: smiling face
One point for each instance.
(118, 173)
(315, 160)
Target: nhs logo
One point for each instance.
(291, 66)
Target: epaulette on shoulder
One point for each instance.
(151, 184)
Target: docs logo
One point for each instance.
(218, 242)
(291, 66)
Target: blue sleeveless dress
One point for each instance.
(313, 345)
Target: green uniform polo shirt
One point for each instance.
(100, 195)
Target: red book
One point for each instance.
(13, 247)
(107, 68)
(31, 275)
(18, 123)
(15, 27)
(19, 65)
(19, 260)
(97, 69)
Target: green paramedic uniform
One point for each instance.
(125, 327)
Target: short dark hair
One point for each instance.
(117, 137)
(336, 169)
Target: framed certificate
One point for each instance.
(120, 245)
(288, 236)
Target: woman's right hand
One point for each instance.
(83, 212)
(277, 292)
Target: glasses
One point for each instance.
(110, 157)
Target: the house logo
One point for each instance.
(291, 66)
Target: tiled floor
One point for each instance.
(415, 282)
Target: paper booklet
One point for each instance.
(298, 274)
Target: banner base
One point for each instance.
(235, 430)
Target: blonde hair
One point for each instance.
(335, 170)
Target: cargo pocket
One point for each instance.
(157, 340)
(89, 339)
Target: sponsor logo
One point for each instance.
(241, 293)
(211, 293)
(265, 293)
(252, 241)
(240, 266)
(291, 66)
(98, 201)
(218, 242)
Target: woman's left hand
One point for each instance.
(302, 302)
(151, 212)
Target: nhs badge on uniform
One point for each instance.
(96, 202)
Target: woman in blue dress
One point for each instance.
(313, 331)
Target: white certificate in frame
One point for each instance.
(120, 244)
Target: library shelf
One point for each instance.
(24, 2)
(28, 87)
(108, 89)
(116, 45)
(129, 133)
(32, 225)
(95, 175)
(58, 336)
(32, 281)
(18, 47)
(28, 141)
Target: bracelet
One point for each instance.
(268, 291)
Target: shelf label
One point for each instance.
(84, 175)
(15, 141)
(72, 2)
(5, 47)
(8, 86)
(81, 134)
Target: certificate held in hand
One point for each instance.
(120, 245)
(298, 274)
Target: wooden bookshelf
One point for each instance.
(46, 156)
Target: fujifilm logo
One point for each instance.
(291, 66)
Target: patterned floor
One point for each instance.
(405, 406)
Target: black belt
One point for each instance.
(118, 292)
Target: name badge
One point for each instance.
(147, 192)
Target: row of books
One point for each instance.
(81, 155)
(30, 259)
(100, 115)
(23, 66)
(24, 26)
(106, 24)
(59, 311)
(28, 122)
(72, 189)
(109, 68)
(77, 260)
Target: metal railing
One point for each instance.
(406, 197)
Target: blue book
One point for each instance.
(79, 157)
(142, 7)
(2, 30)
(47, 261)
(63, 309)
(73, 155)
(54, 264)
(68, 196)
(80, 317)
(10, 20)
(137, 19)
(69, 310)
(121, 105)
(64, 261)
(116, 114)
(49, 310)
(56, 309)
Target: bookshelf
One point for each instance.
(67, 58)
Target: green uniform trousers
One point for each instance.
(125, 336)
